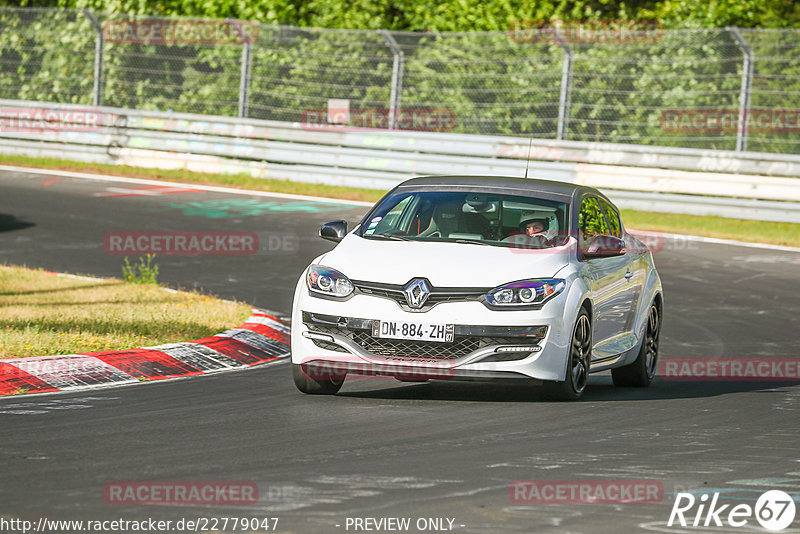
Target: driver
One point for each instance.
(532, 227)
(532, 233)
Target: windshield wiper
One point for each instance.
(473, 242)
(393, 237)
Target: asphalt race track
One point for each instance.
(382, 448)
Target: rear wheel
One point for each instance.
(580, 353)
(640, 373)
(316, 380)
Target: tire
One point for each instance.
(580, 355)
(640, 373)
(324, 384)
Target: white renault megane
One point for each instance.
(480, 278)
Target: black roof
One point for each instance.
(497, 183)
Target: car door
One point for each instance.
(635, 272)
(607, 279)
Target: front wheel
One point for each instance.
(580, 354)
(640, 373)
(316, 380)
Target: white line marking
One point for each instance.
(717, 241)
(217, 189)
(233, 191)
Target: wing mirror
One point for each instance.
(605, 246)
(333, 231)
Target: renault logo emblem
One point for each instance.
(417, 292)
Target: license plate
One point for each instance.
(442, 333)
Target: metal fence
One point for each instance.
(730, 89)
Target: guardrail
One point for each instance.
(731, 184)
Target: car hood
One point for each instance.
(443, 264)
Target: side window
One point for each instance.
(590, 222)
(612, 216)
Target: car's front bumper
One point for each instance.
(336, 335)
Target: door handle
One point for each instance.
(628, 274)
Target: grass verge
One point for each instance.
(239, 181)
(787, 234)
(43, 313)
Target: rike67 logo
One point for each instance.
(774, 510)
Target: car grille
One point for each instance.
(395, 293)
(402, 348)
(409, 349)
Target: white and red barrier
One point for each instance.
(262, 338)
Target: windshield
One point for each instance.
(482, 218)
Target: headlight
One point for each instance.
(525, 292)
(328, 281)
